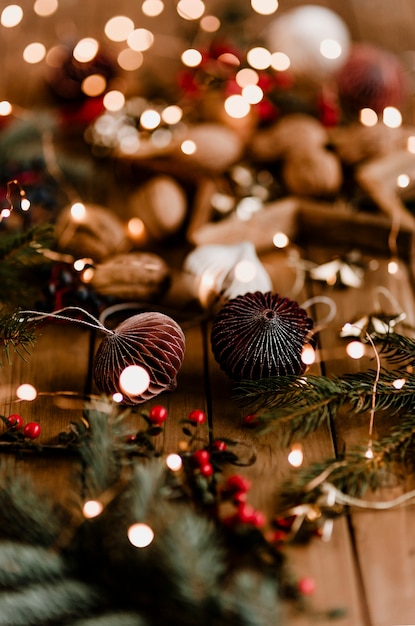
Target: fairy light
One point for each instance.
(330, 49)
(188, 147)
(85, 50)
(94, 85)
(236, 106)
(11, 16)
(130, 60)
(296, 456)
(152, 8)
(245, 271)
(210, 23)
(393, 267)
(403, 181)
(190, 9)
(80, 264)
(191, 57)
(150, 119)
(172, 114)
(34, 52)
(392, 117)
(26, 391)
(78, 212)
(399, 383)
(368, 117)
(44, 8)
(140, 535)
(92, 508)
(308, 354)
(4, 214)
(280, 240)
(280, 61)
(264, 7)
(117, 397)
(87, 274)
(5, 108)
(25, 204)
(118, 28)
(140, 39)
(253, 94)
(246, 76)
(355, 350)
(134, 380)
(174, 462)
(136, 229)
(369, 452)
(259, 58)
(411, 144)
(114, 100)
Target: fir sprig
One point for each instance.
(17, 333)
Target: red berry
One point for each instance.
(201, 457)
(245, 513)
(236, 482)
(250, 420)
(158, 414)
(220, 445)
(32, 430)
(206, 469)
(14, 421)
(306, 585)
(197, 416)
(258, 519)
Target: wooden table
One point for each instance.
(368, 566)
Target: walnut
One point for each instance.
(132, 276)
(356, 143)
(313, 173)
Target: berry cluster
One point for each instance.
(14, 424)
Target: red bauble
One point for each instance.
(371, 78)
(151, 340)
(32, 430)
(197, 416)
(158, 414)
(14, 421)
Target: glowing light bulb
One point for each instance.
(236, 106)
(92, 508)
(150, 119)
(259, 58)
(403, 181)
(368, 117)
(34, 52)
(140, 39)
(118, 28)
(296, 456)
(253, 94)
(188, 147)
(114, 100)
(369, 453)
(411, 144)
(27, 392)
(174, 462)
(25, 204)
(134, 380)
(140, 535)
(172, 114)
(264, 7)
(246, 76)
(280, 61)
(280, 240)
(245, 271)
(330, 49)
(130, 60)
(392, 117)
(210, 23)
(399, 383)
(308, 354)
(152, 8)
(44, 8)
(78, 212)
(393, 267)
(190, 9)
(11, 16)
(136, 228)
(5, 108)
(117, 397)
(94, 85)
(85, 50)
(191, 57)
(355, 349)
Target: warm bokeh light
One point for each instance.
(188, 147)
(117, 397)
(210, 23)
(92, 508)
(136, 228)
(118, 28)
(296, 456)
(5, 108)
(330, 49)
(190, 9)
(78, 212)
(172, 114)
(134, 380)
(355, 349)
(85, 50)
(264, 7)
(236, 106)
(403, 181)
(34, 53)
(393, 267)
(44, 8)
(392, 117)
(25, 204)
(252, 94)
(94, 85)
(140, 39)
(152, 8)
(399, 383)
(174, 462)
(26, 391)
(308, 354)
(280, 61)
(11, 15)
(259, 58)
(150, 119)
(411, 144)
(191, 57)
(280, 240)
(114, 100)
(130, 60)
(140, 535)
(246, 76)
(245, 271)
(368, 117)
(369, 453)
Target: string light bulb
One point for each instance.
(174, 462)
(296, 456)
(92, 508)
(140, 535)
(134, 380)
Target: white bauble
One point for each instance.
(302, 33)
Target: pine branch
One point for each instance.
(397, 348)
(17, 333)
